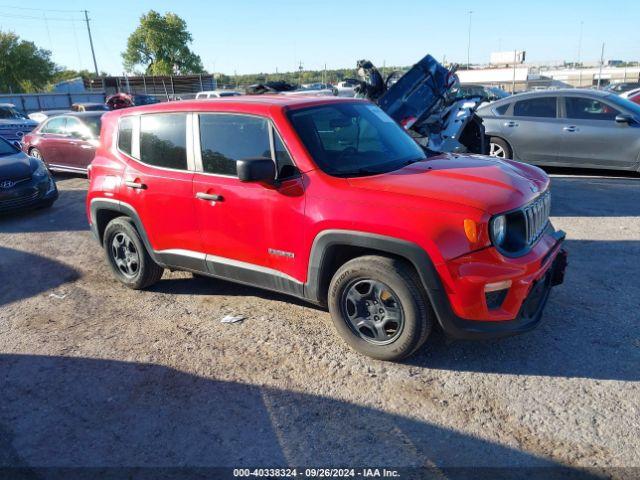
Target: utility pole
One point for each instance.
(469, 43)
(579, 63)
(513, 84)
(601, 62)
(93, 53)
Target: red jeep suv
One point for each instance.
(331, 201)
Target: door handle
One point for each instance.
(570, 128)
(209, 196)
(510, 124)
(138, 185)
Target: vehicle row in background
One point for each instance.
(13, 124)
(569, 128)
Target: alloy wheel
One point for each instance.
(125, 255)
(496, 150)
(372, 311)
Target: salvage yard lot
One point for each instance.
(94, 374)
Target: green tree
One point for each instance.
(23, 66)
(160, 44)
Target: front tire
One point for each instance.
(131, 263)
(378, 306)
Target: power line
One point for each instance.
(31, 17)
(39, 9)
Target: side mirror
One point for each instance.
(625, 118)
(256, 170)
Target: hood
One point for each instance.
(478, 181)
(15, 167)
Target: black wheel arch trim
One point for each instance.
(102, 204)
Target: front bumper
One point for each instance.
(522, 308)
(32, 193)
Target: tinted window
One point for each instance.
(125, 134)
(225, 139)
(502, 109)
(286, 168)
(351, 139)
(163, 140)
(581, 108)
(55, 125)
(536, 107)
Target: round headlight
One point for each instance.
(499, 229)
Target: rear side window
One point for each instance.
(163, 140)
(225, 139)
(544, 107)
(55, 125)
(125, 134)
(582, 108)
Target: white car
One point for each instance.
(217, 94)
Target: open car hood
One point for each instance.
(481, 182)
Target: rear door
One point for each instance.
(250, 231)
(158, 183)
(593, 138)
(532, 128)
(52, 137)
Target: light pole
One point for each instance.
(469, 43)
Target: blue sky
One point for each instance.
(259, 36)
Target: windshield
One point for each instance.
(498, 92)
(353, 139)
(6, 148)
(11, 113)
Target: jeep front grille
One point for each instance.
(536, 216)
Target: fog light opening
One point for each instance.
(495, 293)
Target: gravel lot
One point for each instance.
(94, 374)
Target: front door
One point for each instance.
(52, 136)
(158, 184)
(251, 232)
(593, 138)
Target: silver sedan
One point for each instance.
(568, 128)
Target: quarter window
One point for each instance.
(286, 167)
(581, 108)
(544, 107)
(163, 140)
(125, 134)
(502, 109)
(225, 139)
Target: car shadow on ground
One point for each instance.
(595, 197)
(67, 214)
(579, 336)
(25, 275)
(109, 415)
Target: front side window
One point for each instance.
(354, 139)
(227, 138)
(163, 140)
(582, 108)
(502, 109)
(544, 107)
(56, 125)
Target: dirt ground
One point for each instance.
(94, 374)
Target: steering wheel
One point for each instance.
(347, 151)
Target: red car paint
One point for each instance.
(425, 203)
(70, 147)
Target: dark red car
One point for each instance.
(65, 142)
(331, 201)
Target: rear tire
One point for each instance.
(131, 263)
(499, 148)
(378, 306)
